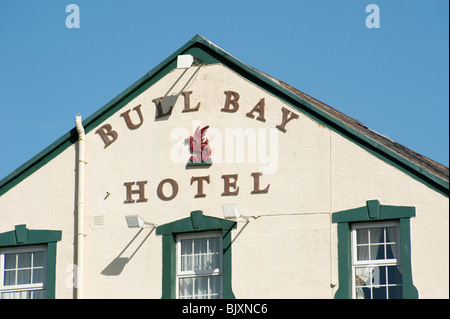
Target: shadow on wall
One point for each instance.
(116, 266)
(165, 104)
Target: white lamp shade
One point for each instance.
(230, 211)
(134, 221)
(184, 61)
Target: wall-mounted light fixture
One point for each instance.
(186, 60)
(230, 211)
(135, 221)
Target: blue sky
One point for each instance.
(394, 79)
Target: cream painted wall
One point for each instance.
(46, 200)
(292, 246)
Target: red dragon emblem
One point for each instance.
(199, 148)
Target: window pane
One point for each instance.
(197, 259)
(10, 277)
(363, 293)
(38, 275)
(24, 277)
(186, 287)
(395, 292)
(201, 287)
(379, 276)
(376, 252)
(186, 263)
(390, 251)
(394, 275)
(362, 236)
(24, 260)
(10, 261)
(363, 276)
(391, 234)
(214, 249)
(379, 293)
(186, 255)
(38, 294)
(363, 253)
(214, 286)
(214, 244)
(200, 253)
(38, 259)
(213, 257)
(377, 235)
(204, 255)
(200, 246)
(186, 247)
(212, 261)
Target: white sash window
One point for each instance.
(22, 273)
(199, 265)
(377, 271)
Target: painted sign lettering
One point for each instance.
(135, 192)
(134, 119)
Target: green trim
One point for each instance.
(51, 270)
(169, 263)
(373, 211)
(197, 222)
(344, 262)
(208, 53)
(22, 236)
(409, 290)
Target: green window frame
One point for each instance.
(373, 212)
(21, 236)
(197, 222)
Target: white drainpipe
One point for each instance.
(81, 163)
